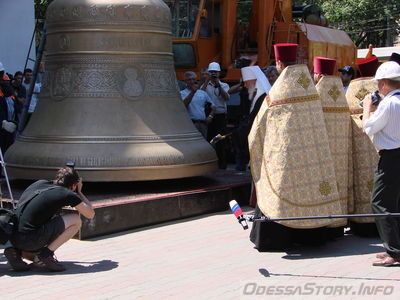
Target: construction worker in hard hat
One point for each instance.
(218, 92)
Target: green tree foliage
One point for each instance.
(40, 8)
(244, 11)
(40, 14)
(375, 22)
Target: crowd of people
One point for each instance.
(13, 98)
(303, 122)
(206, 99)
(285, 130)
(260, 91)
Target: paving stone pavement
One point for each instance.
(206, 257)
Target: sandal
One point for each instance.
(382, 255)
(387, 262)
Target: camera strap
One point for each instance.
(23, 203)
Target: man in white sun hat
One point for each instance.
(383, 126)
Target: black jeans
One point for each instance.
(386, 199)
(6, 140)
(218, 126)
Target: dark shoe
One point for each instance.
(387, 262)
(50, 263)
(382, 255)
(14, 259)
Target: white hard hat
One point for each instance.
(388, 70)
(214, 66)
(1, 67)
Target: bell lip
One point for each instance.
(82, 168)
(114, 174)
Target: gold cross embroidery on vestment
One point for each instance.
(304, 81)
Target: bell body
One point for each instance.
(109, 101)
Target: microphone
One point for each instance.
(237, 211)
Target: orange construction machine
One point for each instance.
(209, 30)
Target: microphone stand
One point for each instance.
(266, 219)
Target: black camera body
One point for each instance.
(242, 62)
(376, 98)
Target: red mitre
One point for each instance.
(324, 65)
(286, 52)
(368, 66)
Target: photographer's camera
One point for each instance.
(376, 98)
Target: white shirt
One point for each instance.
(217, 98)
(10, 109)
(34, 98)
(384, 124)
(198, 103)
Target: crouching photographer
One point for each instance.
(383, 127)
(41, 230)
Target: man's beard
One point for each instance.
(251, 91)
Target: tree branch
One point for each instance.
(361, 39)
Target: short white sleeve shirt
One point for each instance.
(198, 103)
(384, 125)
(215, 95)
(34, 98)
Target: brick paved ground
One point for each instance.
(207, 257)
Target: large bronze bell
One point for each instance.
(110, 101)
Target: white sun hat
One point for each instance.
(388, 70)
